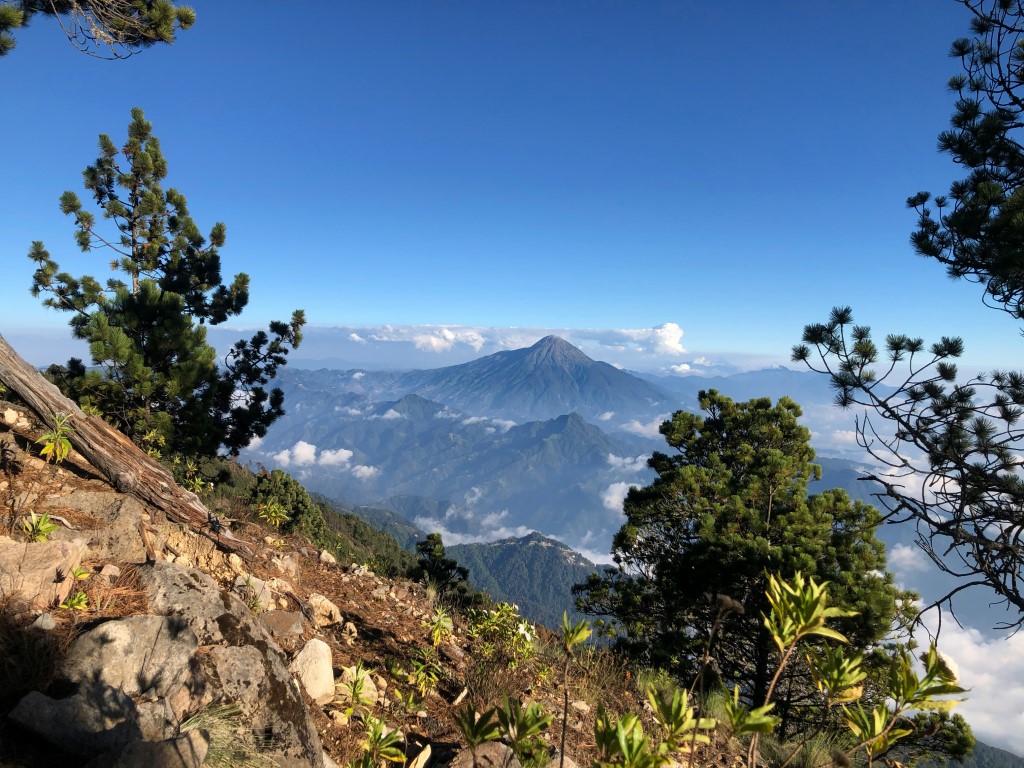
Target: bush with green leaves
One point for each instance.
(500, 630)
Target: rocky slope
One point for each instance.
(126, 640)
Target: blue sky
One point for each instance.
(733, 170)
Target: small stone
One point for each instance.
(340, 719)
(112, 572)
(236, 564)
(44, 622)
(581, 706)
(327, 558)
(325, 613)
(10, 416)
(349, 633)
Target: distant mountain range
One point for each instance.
(535, 439)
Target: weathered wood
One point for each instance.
(117, 458)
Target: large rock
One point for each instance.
(314, 668)
(125, 673)
(185, 751)
(38, 571)
(118, 537)
(95, 720)
(244, 664)
(140, 655)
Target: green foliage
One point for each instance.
(55, 442)
(742, 720)
(476, 728)
(680, 726)
(503, 632)
(440, 626)
(350, 695)
(622, 743)
(435, 568)
(281, 489)
(380, 744)
(727, 508)
(533, 572)
(38, 527)
(272, 513)
(147, 332)
(79, 601)
(103, 28)
(425, 672)
(523, 728)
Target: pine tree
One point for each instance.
(102, 28)
(158, 380)
(947, 448)
(728, 508)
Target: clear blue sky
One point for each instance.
(733, 168)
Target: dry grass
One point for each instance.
(28, 657)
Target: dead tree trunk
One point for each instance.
(116, 457)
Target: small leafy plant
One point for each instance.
(522, 727)
(426, 672)
(38, 527)
(55, 442)
(476, 728)
(440, 626)
(379, 744)
(76, 602)
(273, 514)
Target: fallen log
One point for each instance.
(116, 457)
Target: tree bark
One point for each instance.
(117, 458)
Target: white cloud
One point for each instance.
(474, 420)
(473, 495)
(667, 336)
(993, 670)
(614, 495)
(358, 375)
(491, 521)
(845, 437)
(650, 429)
(255, 443)
(356, 338)
(504, 425)
(391, 414)
(443, 339)
(444, 413)
(335, 458)
(300, 454)
(606, 416)
(627, 463)
(451, 537)
(660, 340)
(681, 368)
(905, 559)
(364, 472)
